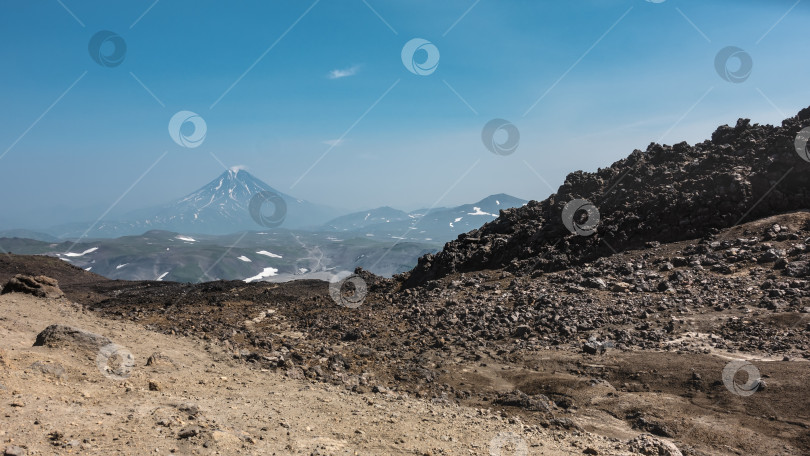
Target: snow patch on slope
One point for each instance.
(266, 272)
(70, 254)
(478, 211)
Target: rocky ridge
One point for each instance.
(663, 194)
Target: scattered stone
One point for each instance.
(648, 445)
(651, 426)
(54, 370)
(189, 408)
(522, 330)
(188, 432)
(593, 347)
(520, 399)
(39, 286)
(158, 359)
(797, 269)
(58, 336)
(595, 283)
(620, 287)
(771, 255)
(13, 451)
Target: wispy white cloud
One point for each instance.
(344, 73)
(334, 142)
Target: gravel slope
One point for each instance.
(57, 401)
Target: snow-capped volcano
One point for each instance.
(226, 197)
(222, 206)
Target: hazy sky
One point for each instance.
(279, 82)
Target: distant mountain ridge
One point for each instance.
(28, 234)
(222, 206)
(438, 224)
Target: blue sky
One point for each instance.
(610, 76)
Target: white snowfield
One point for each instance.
(245, 259)
(478, 211)
(160, 279)
(266, 272)
(266, 253)
(71, 254)
(185, 238)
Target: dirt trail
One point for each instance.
(195, 399)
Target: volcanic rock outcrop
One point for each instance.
(663, 194)
(58, 336)
(39, 286)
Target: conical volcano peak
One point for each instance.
(238, 171)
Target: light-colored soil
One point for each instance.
(242, 410)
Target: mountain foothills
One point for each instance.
(275, 255)
(679, 324)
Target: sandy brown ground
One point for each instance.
(241, 410)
